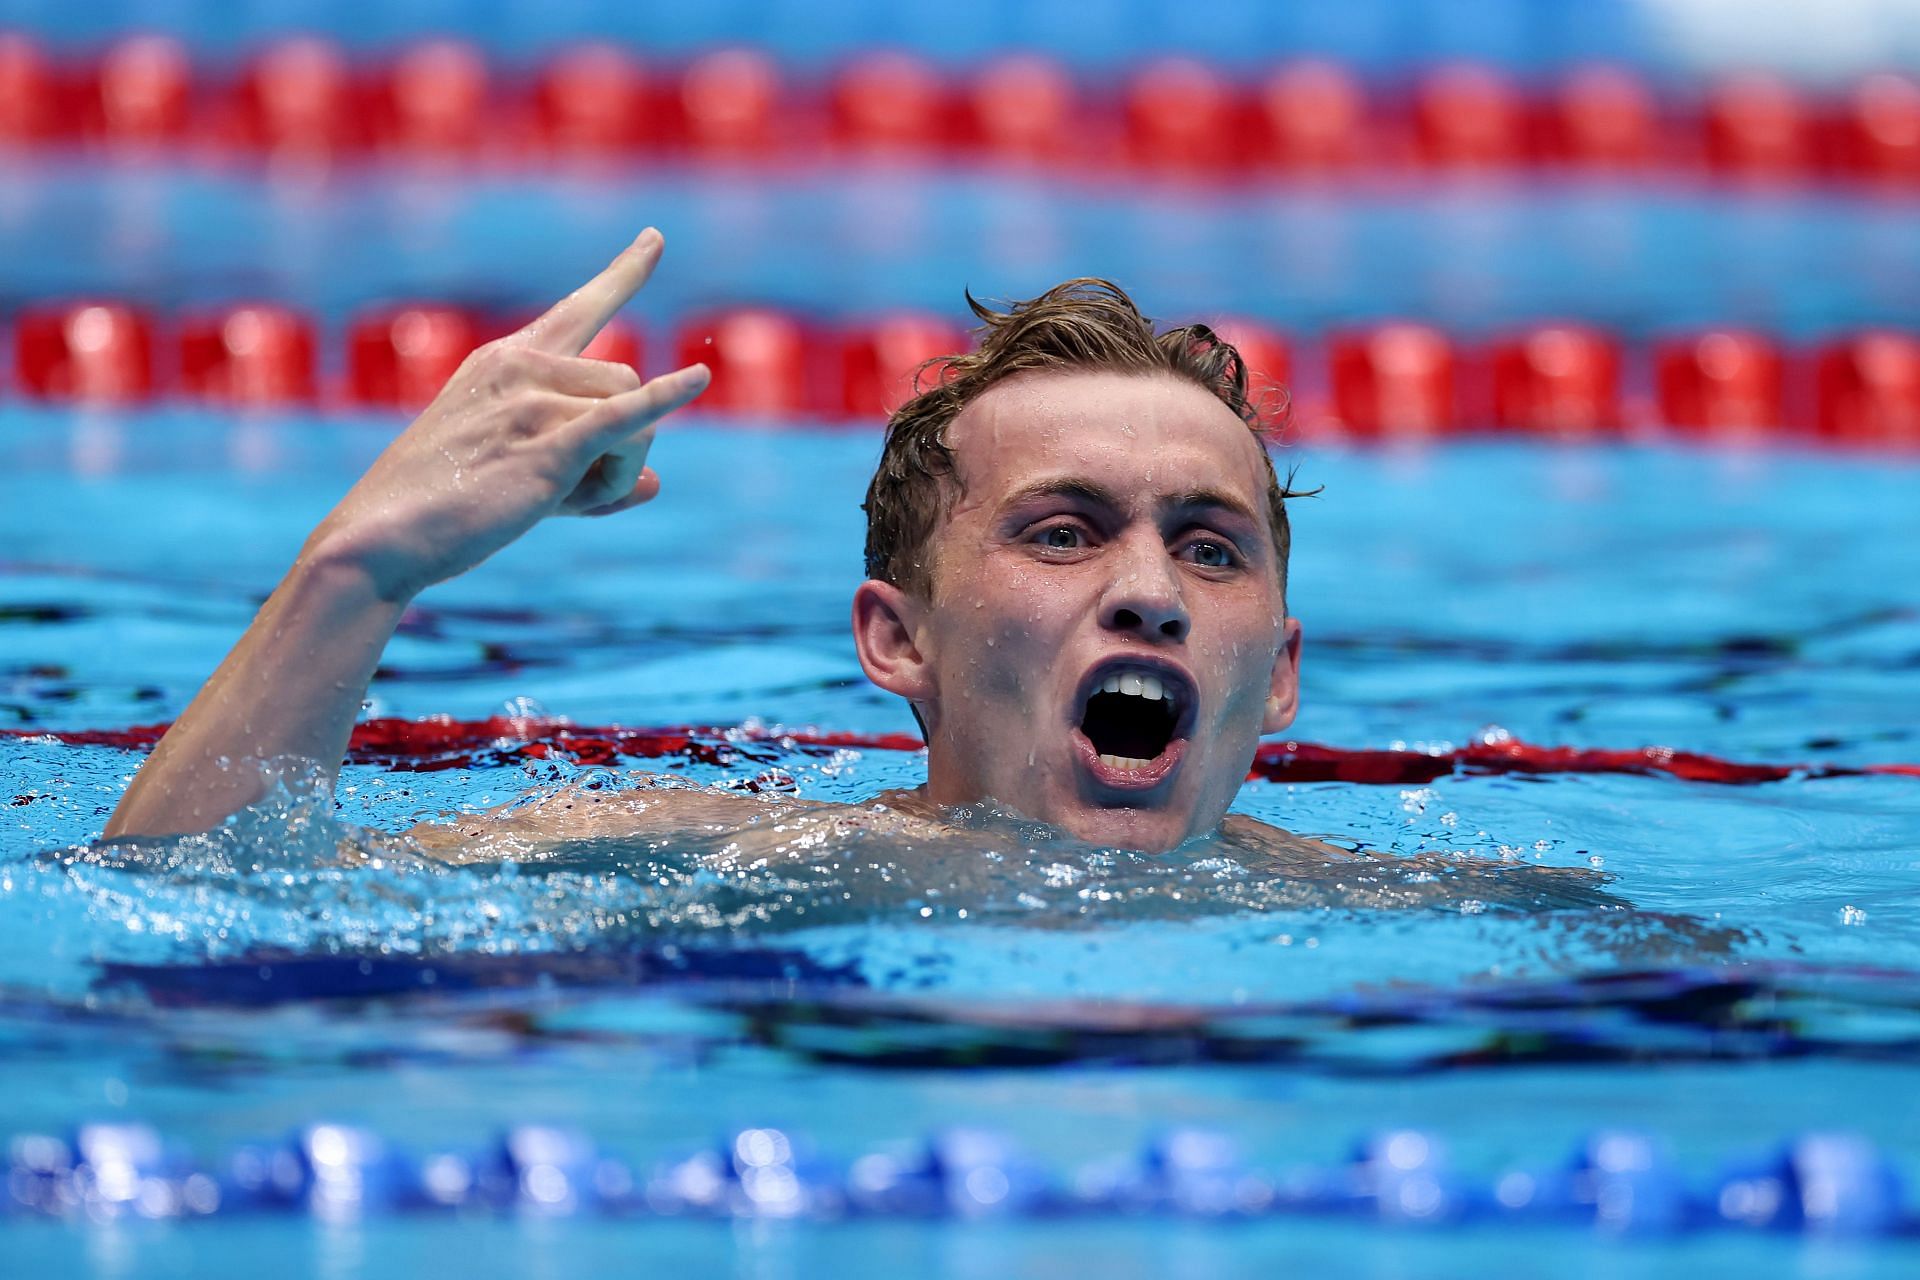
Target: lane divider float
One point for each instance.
(444, 743)
(1395, 380)
(1616, 1181)
(307, 100)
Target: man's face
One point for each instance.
(1107, 638)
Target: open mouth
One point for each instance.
(1131, 723)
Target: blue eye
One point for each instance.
(1060, 537)
(1211, 555)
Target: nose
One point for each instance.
(1144, 598)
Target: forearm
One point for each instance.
(292, 686)
(525, 429)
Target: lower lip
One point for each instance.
(1145, 778)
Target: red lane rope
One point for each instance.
(1386, 380)
(428, 745)
(312, 100)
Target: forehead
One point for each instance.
(1139, 434)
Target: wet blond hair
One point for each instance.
(1083, 324)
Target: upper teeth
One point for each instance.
(1136, 685)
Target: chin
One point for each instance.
(1141, 830)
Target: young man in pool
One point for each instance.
(1077, 578)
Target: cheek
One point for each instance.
(1008, 634)
(998, 664)
(1246, 667)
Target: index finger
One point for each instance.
(571, 323)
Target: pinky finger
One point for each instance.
(645, 490)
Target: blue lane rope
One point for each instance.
(1616, 1181)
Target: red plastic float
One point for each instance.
(729, 100)
(1757, 126)
(140, 93)
(29, 92)
(1265, 355)
(881, 364)
(1560, 379)
(434, 100)
(594, 100)
(1468, 117)
(759, 359)
(618, 342)
(297, 98)
(1720, 381)
(1600, 117)
(258, 356)
(91, 352)
(1182, 117)
(1313, 117)
(303, 96)
(1393, 380)
(400, 357)
(1868, 389)
(431, 745)
(1020, 108)
(1396, 380)
(1878, 128)
(891, 103)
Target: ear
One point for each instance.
(1283, 691)
(885, 625)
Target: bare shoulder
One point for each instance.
(1250, 838)
(753, 825)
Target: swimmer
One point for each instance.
(1076, 577)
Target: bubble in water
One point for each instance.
(1852, 915)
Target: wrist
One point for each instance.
(332, 573)
(342, 564)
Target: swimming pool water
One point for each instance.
(1474, 255)
(1753, 604)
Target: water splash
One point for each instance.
(991, 902)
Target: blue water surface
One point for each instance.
(1753, 604)
(1475, 255)
(1721, 967)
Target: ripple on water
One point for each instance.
(996, 906)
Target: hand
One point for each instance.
(524, 429)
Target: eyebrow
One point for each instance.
(1199, 499)
(1083, 490)
(1099, 495)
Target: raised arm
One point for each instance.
(525, 429)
